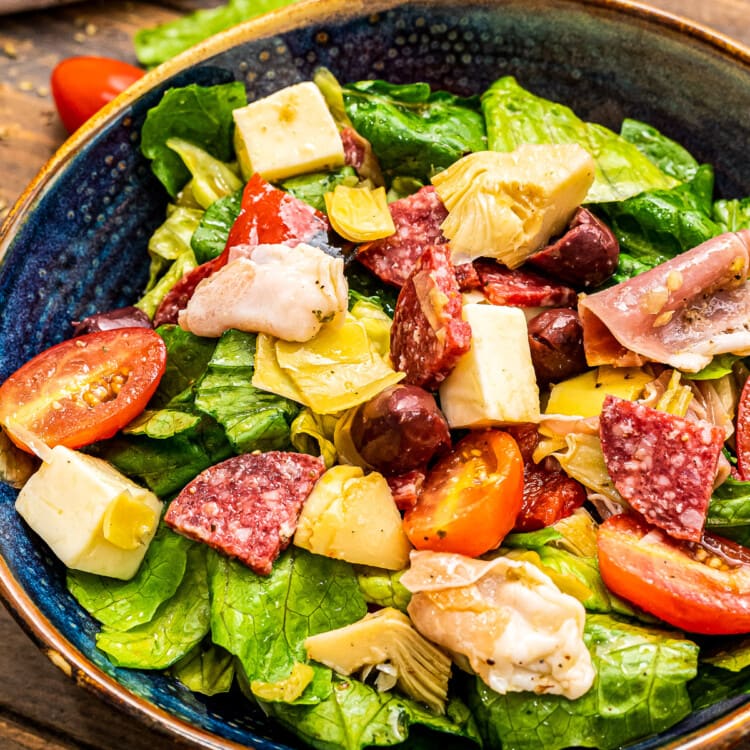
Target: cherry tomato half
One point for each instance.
(700, 588)
(81, 86)
(86, 388)
(742, 434)
(470, 498)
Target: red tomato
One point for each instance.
(86, 388)
(272, 216)
(700, 588)
(470, 498)
(81, 86)
(742, 435)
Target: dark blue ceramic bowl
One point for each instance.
(76, 242)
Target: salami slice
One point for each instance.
(517, 288)
(428, 334)
(247, 506)
(406, 487)
(417, 219)
(467, 277)
(663, 465)
(177, 298)
(358, 153)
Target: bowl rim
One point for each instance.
(725, 732)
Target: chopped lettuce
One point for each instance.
(313, 433)
(155, 45)
(312, 188)
(211, 235)
(122, 605)
(179, 624)
(198, 114)
(515, 116)
(167, 449)
(382, 587)
(188, 356)
(253, 419)
(659, 224)
(356, 716)
(672, 158)
(640, 689)
(729, 510)
(150, 301)
(732, 215)
(414, 131)
(264, 620)
(205, 669)
(211, 178)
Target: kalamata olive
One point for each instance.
(124, 317)
(585, 256)
(400, 429)
(556, 342)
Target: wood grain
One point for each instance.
(40, 709)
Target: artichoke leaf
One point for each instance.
(387, 637)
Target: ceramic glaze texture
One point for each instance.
(79, 245)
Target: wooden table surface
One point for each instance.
(39, 707)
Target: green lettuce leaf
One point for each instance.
(253, 419)
(718, 367)
(122, 605)
(199, 114)
(264, 620)
(166, 449)
(206, 669)
(414, 131)
(715, 684)
(155, 45)
(672, 158)
(356, 716)
(179, 624)
(211, 235)
(659, 224)
(732, 215)
(729, 506)
(640, 689)
(382, 587)
(150, 301)
(364, 285)
(515, 116)
(312, 188)
(188, 356)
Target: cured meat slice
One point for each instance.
(549, 494)
(681, 313)
(417, 219)
(247, 506)
(177, 298)
(358, 153)
(517, 288)
(467, 277)
(428, 334)
(269, 216)
(406, 487)
(663, 465)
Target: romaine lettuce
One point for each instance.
(312, 188)
(640, 689)
(199, 114)
(205, 669)
(413, 130)
(179, 624)
(515, 116)
(667, 154)
(211, 235)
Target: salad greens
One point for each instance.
(156, 45)
(215, 622)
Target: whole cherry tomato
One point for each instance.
(81, 86)
(86, 388)
(470, 498)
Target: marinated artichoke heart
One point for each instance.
(508, 205)
(352, 517)
(359, 214)
(386, 639)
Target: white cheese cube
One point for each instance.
(92, 517)
(494, 383)
(287, 133)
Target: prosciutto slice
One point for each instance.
(681, 313)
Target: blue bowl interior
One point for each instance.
(82, 246)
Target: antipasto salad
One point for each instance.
(433, 418)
